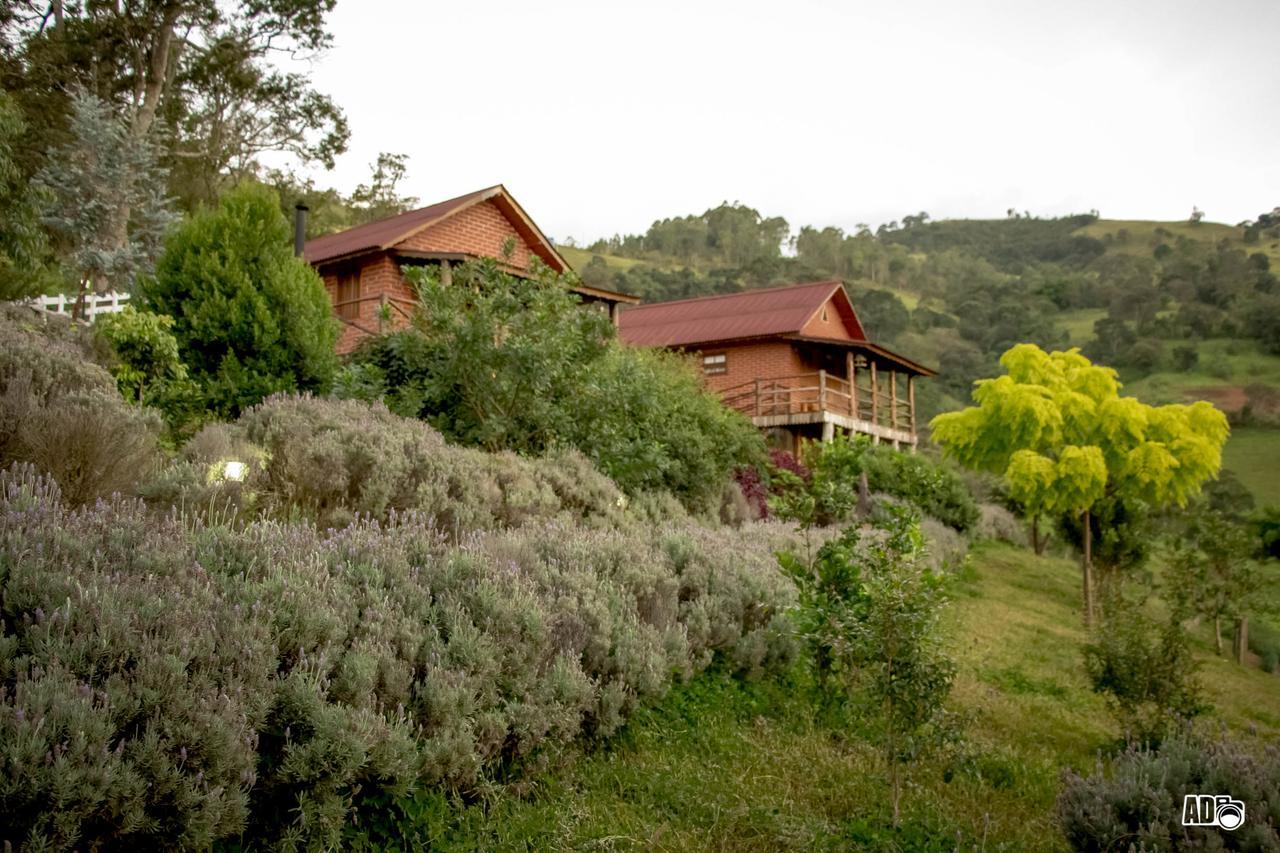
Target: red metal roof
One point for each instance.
(387, 232)
(752, 314)
(772, 312)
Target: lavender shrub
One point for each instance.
(168, 682)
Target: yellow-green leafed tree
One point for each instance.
(1057, 430)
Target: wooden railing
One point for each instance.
(878, 401)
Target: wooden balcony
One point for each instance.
(867, 407)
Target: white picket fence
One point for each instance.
(94, 304)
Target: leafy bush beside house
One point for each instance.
(506, 363)
(647, 421)
(835, 469)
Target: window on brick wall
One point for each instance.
(715, 362)
(348, 296)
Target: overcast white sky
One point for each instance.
(603, 116)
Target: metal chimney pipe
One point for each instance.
(299, 228)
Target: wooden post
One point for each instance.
(757, 411)
(893, 402)
(828, 431)
(875, 395)
(910, 401)
(446, 272)
(822, 391)
(851, 373)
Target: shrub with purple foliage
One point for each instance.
(1137, 803)
(784, 461)
(62, 413)
(753, 489)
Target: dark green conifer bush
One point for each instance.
(250, 318)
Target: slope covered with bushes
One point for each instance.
(170, 682)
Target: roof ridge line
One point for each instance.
(833, 281)
(405, 213)
(475, 198)
(438, 203)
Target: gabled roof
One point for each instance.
(713, 319)
(775, 312)
(385, 234)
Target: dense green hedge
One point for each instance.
(502, 362)
(930, 486)
(250, 319)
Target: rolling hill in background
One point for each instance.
(1184, 310)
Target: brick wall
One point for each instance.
(479, 230)
(379, 275)
(748, 362)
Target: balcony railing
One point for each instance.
(873, 401)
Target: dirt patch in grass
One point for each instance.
(1229, 398)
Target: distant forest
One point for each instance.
(974, 288)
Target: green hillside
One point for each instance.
(1139, 237)
(1183, 310)
(725, 765)
(1253, 454)
(580, 258)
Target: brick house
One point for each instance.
(794, 359)
(361, 266)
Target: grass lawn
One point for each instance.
(1253, 454)
(1224, 369)
(729, 765)
(579, 258)
(1079, 324)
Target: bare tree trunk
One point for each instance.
(1242, 639)
(1038, 542)
(1217, 633)
(896, 786)
(864, 496)
(155, 80)
(156, 74)
(1087, 569)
